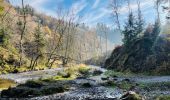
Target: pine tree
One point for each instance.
(129, 30)
(39, 40)
(39, 47)
(156, 30)
(140, 21)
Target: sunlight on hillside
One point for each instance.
(84, 49)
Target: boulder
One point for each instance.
(131, 95)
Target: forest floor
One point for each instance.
(148, 86)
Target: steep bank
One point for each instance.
(142, 56)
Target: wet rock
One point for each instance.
(64, 75)
(131, 96)
(97, 72)
(115, 79)
(34, 88)
(126, 80)
(81, 77)
(86, 85)
(104, 78)
(67, 75)
(33, 84)
(19, 92)
(115, 76)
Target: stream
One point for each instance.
(76, 93)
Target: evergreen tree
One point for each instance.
(39, 44)
(129, 32)
(156, 30)
(39, 40)
(140, 21)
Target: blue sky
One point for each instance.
(91, 11)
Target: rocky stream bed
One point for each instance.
(96, 88)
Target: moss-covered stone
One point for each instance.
(131, 96)
(35, 88)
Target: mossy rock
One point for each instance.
(131, 96)
(33, 84)
(97, 72)
(64, 74)
(53, 89)
(21, 92)
(34, 89)
(104, 78)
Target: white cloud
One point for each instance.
(78, 6)
(95, 16)
(96, 3)
(144, 4)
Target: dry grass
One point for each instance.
(5, 84)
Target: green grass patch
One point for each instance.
(163, 97)
(155, 86)
(113, 73)
(125, 85)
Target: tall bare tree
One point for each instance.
(22, 31)
(115, 6)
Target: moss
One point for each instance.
(62, 78)
(35, 88)
(77, 70)
(163, 98)
(125, 85)
(113, 73)
(5, 84)
(64, 75)
(131, 96)
(83, 70)
(155, 86)
(40, 67)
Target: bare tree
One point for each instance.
(65, 27)
(115, 6)
(22, 31)
(157, 5)
(104, 30)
